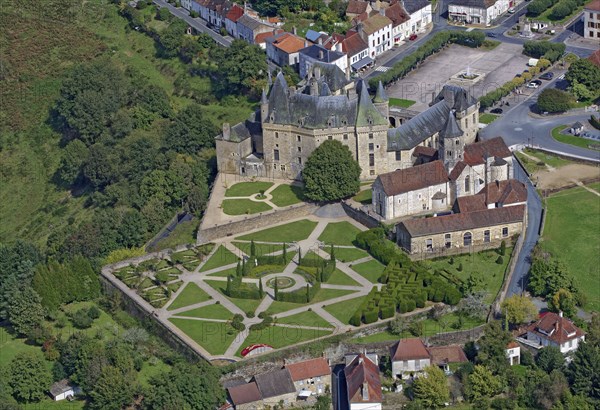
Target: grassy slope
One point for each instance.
(189, 295)
(285, 195)
(215, 337)
(221, 257)
(279, 336)
(247, 188)
(371, 270)
(243, 206)
(339, 233)
(294, 231)
(571, 234)
(571, 139)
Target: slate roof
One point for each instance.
(250, 22)
(363, 372)
(61, 387)
(309, 368)
(356, 7)
(419, 128)
(477, 152)
(556, 328)
(332, 75)
(481, 4)
(397, 14)
(275, 383)
(328, 55)
(375, 23)
(244, 393)
(456, 97)
(410, 179)
(451, 129)
(412, 6)
(380, 95)
(463, 221)
(408, 349)
(447, 354)
(367, 113)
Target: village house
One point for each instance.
(513, 353)
(363, 382)
(376, 31)
(245, 396)
(355, 48)
(231, 18)
(311, 377)
(481, 12)
(444, 356)
(249, 27)
(284, 48)
(553, 329)
(420, 14)
(400, 22)
(409, 357)
(591, 20)
(318, 54)
(357, 7)
(64, 389)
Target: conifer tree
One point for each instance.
(261, 292)
(299, 256)
(228, 288)
(284, 253)
(276, 288)
(307, 293)
(332, 253)
(252, 249)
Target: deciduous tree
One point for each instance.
(432, 389)
(331, 173)
(519, 309)
(29, 377)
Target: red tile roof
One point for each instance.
(447, 354)
(595, 58)
(556, 328)
(476, 153)
(309, 368)
(409, 349)
(362, 373)
(353, 44)
(471, 203)
(464, 221)
(262, 37)
(234, 13)
(509, 191)
(512, 344)
(289, 43)
(594, 5)
(356, 7)
(424, 151)
(410, 179)
(457, 170)
(245, 393)
(397, 14)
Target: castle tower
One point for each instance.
(452, 146)
(381, 101)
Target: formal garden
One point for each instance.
(247, 198)
(303, 280)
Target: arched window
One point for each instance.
(467, 239)
(467, 183)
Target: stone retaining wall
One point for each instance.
(360, 216)
(262, 220)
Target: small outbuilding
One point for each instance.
(63, 389)
(576, 128)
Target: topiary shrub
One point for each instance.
(81, 319)
(500, 260)
(460, 267)
(94, 312)
(356, 318)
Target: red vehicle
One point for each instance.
(412, 37)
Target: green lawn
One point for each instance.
(224, 273)
(364, 197)
(291, 232)
(189, 295)
(48, 404)
(571, 235)
(400, 102)
(430, 327)
(488, 118)
(286, 195)
(278, 336)
(340, 278)
(151, 370)
(545, 16)
(371, 270)
(214, 311)
(571, 139)
(307, 318)
(347, 254)
(246, 305)
(343, 311)
(247, 188)
(279, 307)
(221, 257)
(326, 294)
(339, 233)
(549, 159)
(595, 186)
(215, 337)
(481, 265)
(183, 233)
(10, 346)
(243, 207)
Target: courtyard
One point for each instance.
(497, 66)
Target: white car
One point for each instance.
(511, 10)
(532, 85)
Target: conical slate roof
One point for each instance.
(451, 129)
(324, 91)
(367, 113)
(380, 96)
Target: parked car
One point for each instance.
(412, 37)
(532, 85)
(547, 76)
(492, 35)
(511, 10)
(497, 111)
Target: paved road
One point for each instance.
(196, 23)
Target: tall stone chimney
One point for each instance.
(226, 131)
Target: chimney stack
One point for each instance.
(321, 53)
(226, 131)
(320, 41)
(560, 313)
(294, 31)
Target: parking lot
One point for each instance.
(498, 66)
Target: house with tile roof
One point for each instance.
(355, 48)
(401, 27)
(284, 48)
(553, 329)
(231, 17)
(317, 53)
(479, 12)
(310, 377)
(248, 27)
(357, 7)
(591, 20)
(363, 383)
(513, 353)
(409, 357)
(376, 31)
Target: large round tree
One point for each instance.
(331, 173)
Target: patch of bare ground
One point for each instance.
(565, 176)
